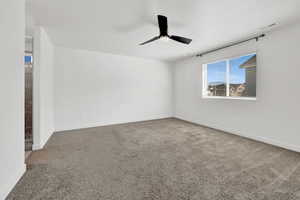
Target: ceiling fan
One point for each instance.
(163, 28)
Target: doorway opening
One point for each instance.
(28, 60)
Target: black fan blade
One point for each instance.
(163, 25)
(181, 39)
(151, 40)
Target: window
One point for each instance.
(230, 78)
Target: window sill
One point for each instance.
(234, 98)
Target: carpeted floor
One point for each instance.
(164, 159)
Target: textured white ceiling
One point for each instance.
(118, 26)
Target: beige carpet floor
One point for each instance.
(164, 159)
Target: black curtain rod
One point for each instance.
(231, 44)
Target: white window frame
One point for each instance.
(204, 79)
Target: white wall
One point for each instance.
(93, 89)
(274, 117)
(12, 26)
(43, 100)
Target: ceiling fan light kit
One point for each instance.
(164, 35)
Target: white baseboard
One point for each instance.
(36, 147)
(41, 145)
(256, 138)
(12, 182)
(109, 124)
